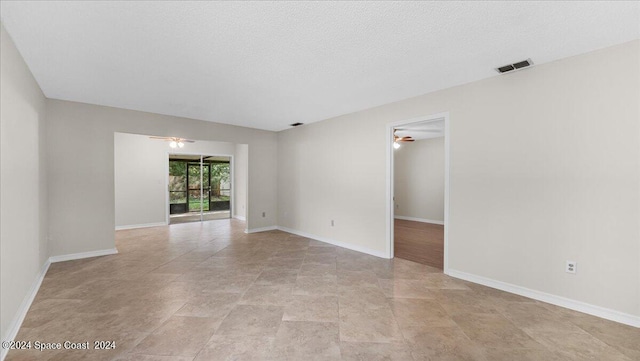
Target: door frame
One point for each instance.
(166, 180)
(390, 211)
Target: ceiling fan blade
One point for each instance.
(407, 140)
(173, 139)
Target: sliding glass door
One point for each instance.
(196, 191)
(199, 187)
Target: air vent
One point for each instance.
(296, 124)
(514, 66)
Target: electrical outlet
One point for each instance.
(264, 214)
(332, 223)
(571, 267)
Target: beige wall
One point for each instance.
(141, 176)
(241, 171)
(544, 168)
(80, 154)
(23, 197)
(419, 180)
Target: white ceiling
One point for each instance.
(268, 64)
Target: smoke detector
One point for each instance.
(514, 66)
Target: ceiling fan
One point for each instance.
(401, 139)
(397, 139)
(174, 141)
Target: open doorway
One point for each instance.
(141, 181)
(418, 190)
(199, 188)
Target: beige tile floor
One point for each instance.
(195, 217)
(207, 291)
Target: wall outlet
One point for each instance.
(264, 214)
(332, 223)
(571, 267)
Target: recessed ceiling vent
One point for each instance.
(514, 66)
(296, 124)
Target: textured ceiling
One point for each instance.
(268, 64)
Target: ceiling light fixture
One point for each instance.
(174, 142)
(397, 139)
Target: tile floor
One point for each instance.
(195, 217)
(207, 291)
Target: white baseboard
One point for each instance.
(14, 327)
(74, 256)
(143, 225)
(579, 306)
(242, 218)
(335, 242)
(423, 220)
(263, 229)
(33, 291)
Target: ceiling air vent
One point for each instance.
(514, 66)
(296, 124)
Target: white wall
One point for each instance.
(80, 156)
(241, 172)
(23, 197)
(419, 179)
(544, 167)
(140, 167)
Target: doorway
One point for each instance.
(418, 190)
(199, 188)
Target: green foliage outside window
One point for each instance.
(220, 174)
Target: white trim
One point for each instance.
(74, 256)
(144, 225)
(447, 187)
(167, 201)
(602, 312)
(242, 218)
(262, 229)
(232, 184)
(334, 242)
(423, 220)
(390, 215)
(14, 327)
